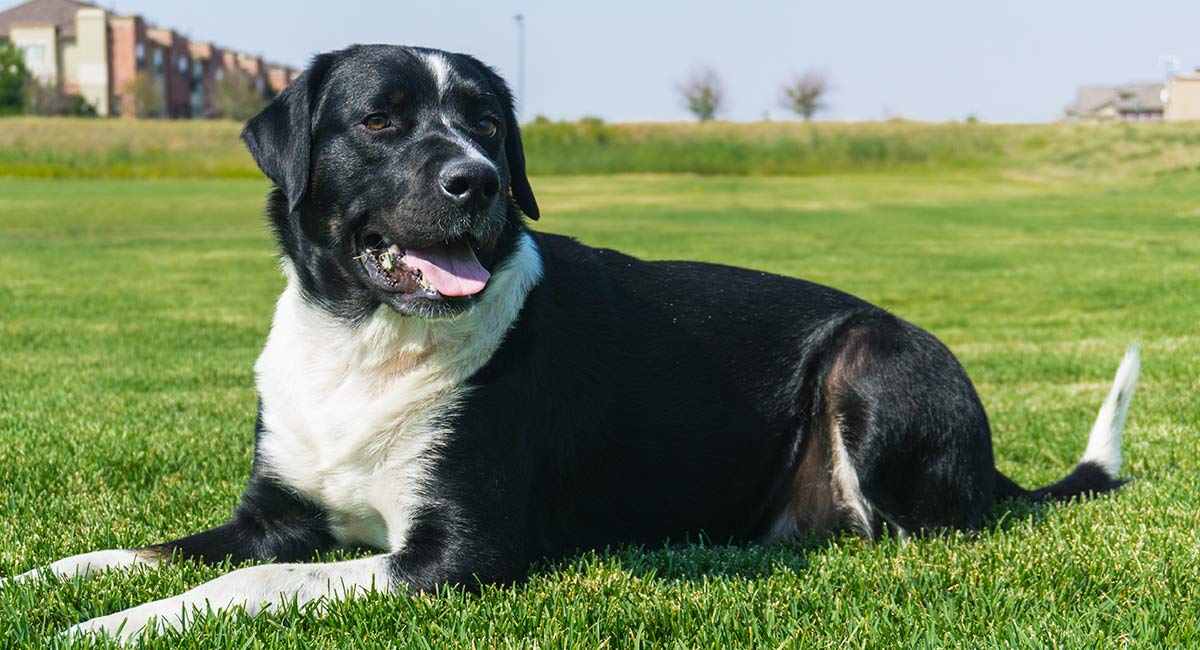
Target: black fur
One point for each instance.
(632, 402)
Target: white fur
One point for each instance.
(845, 480)
(1104, 442)
(440, 68)
(350, 412)
(255, 588)
(87, 565)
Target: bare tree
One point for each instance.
(146, 96)
(803, 94)
(236, 98)
(703, 94)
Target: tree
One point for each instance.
(146, 96)
(13, 77)
(803, 94)
(703, 95)
(236, 98)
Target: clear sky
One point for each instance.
(1003, 60)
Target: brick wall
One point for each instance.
(175, 72)
(127, 33)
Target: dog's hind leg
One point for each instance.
(909, 442)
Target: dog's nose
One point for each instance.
(470, 184)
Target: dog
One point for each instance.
(470, 397)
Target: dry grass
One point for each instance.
(93, 148)
(1054, 153)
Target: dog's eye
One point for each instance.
(487, 126)
(377, 121)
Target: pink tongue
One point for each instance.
(452, 270)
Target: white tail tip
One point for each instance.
(1104, 443)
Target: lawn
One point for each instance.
(131, 312)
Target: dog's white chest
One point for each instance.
(350, 417)
(353, 414)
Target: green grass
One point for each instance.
(131, 312)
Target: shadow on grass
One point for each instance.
(703, 559)
(695, 561)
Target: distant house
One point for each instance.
(84, 49)
(1136, 101)
(1183, 97)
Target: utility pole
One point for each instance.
(520, 18)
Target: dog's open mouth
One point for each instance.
(449, 269)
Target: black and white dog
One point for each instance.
(469, 396)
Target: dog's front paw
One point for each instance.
(126, 626)
(116, 627)
(19, 578)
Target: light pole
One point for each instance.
(520, 18)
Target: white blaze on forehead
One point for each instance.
(440, 67)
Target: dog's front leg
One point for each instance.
(270, 523)
(256, 588)
(88, 564)
(434, 555)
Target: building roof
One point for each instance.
(43, 12)
(162, 35)
(201, 49)
(1129, 98)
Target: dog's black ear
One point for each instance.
(280, 136)
(514, 151)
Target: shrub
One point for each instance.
(13, 77)
(237, 99)
(46, 99)
(589, 130)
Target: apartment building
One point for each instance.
(85, 49)
(1183, 97)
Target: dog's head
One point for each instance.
(399, 178)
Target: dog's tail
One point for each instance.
(1096, 472)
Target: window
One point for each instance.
(183, 64)
(141, 55)
(158, 61)
(219, 74)
(35, 55)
